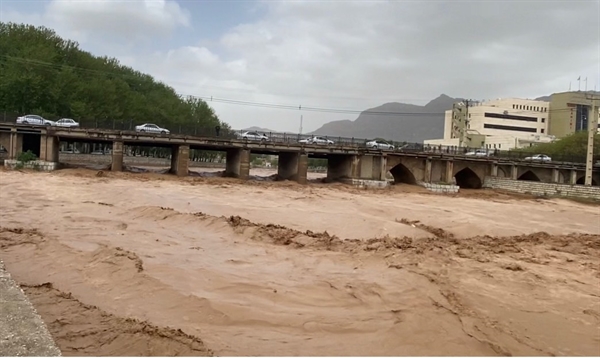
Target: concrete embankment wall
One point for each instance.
(543, 189)
(22, 331)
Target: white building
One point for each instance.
(497, 124)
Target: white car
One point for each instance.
(151, 128)
(254, 136)
(66, 122)
(539, 158)
(478, 153)
(316, 140)
(35, 120)
(377, 144)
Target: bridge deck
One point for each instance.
(283, 143)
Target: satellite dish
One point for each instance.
(505, 112)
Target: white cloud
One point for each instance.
(107, 21)
(360, 54)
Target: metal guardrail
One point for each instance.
(358, 143)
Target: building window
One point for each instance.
(543, 120)
(509, 128)
(510, 116)
(542, 130)
(499, 145)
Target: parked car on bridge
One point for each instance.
(34, 119)
(151, 128)
(67, 122)
(379, 144)
(478, 153)
(316, 140)
(254, 136)
(539, 158)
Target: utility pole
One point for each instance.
(300, 124)
(592, 131)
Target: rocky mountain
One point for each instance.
(395, 121)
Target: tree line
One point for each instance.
(574, 145)
(43, 74)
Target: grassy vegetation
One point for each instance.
(574, 145)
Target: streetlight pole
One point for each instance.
(592, 131)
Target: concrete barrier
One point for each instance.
(22, 331)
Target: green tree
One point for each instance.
(571, 146)
(44, 74)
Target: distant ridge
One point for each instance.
(409, 128)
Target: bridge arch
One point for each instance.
(402, 174)
(467, 179)
(581, 181)
(529, 176)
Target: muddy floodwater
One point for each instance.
(150, 264)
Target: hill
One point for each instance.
(395, 121)
(260, 130)
(46, 75)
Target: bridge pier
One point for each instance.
(427, 172)
(49, 148)
(514, 172)
(292, 166)
(342, 166)
(494, 170)
(573, 179)
(359, 170)
(238, 163)
(117, 156)
(180, 158)
(555, 175)
(15, 145)
(371, 167)
(449, 171)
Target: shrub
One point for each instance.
(26, 157)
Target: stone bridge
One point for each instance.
(344, 162)
(472, 173)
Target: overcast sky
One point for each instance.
(335, 54)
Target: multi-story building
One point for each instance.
(498, 124)
(570, 112)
